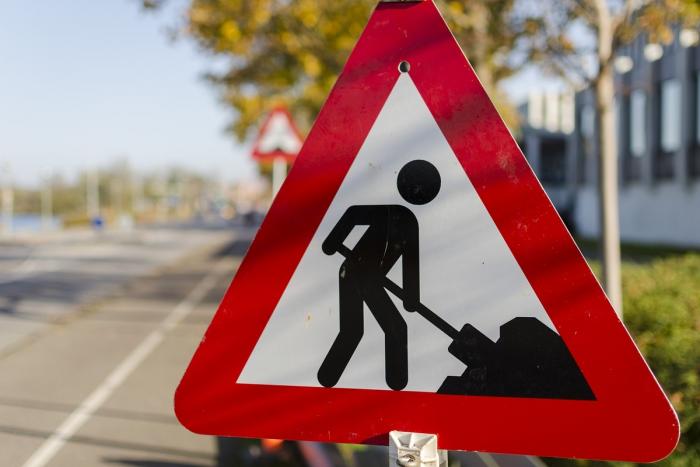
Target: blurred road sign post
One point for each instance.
(7, 199)
(411, 200)
(92, 193)
(279, 173)
(279, 142)
(47, 202)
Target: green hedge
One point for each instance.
(662, 311)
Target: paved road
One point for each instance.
(95, 388)
(45, 277)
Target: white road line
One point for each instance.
(24, 269)
(491, 461)
(536, 461)
(93, 402)
(487, 459)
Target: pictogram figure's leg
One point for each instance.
(351, 330)
(395, 336)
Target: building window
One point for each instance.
(695, 151)
(637, 136)
(553, 162)
(670, 127)
(638, 125)
(670, 115)
(620, 102)
(697, 109)
(587, 125)
(588, 121)
(617, 118)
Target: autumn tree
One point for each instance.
(292, 52)
(579, 40)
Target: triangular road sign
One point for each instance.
(410, 193)
(278, 138)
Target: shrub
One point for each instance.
(662, 312)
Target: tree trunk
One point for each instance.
(480, 18)
(607, 168)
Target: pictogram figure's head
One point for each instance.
(418, 182)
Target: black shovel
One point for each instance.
(422, 310)
(528, 360)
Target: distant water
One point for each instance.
(31, 223)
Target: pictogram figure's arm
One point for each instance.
(354, 215)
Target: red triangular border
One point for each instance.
(631, 418)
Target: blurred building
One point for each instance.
(657, 105)
(547, 131)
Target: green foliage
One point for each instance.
(173, 191)
(26, 201)
(566, 36)
(292, 52)
(662, 311)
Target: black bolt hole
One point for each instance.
(404, 66)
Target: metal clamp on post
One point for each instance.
(415, 450)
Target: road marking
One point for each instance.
(89, 406)
(487, 459)
(24, 269)
(491, 461)
(536, 461)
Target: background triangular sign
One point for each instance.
(278, 137)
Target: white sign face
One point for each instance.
(279, 135)
(467, 273)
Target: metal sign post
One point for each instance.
(415, 450)
(279, 172)
(278, 142)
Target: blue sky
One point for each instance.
(83, 82)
